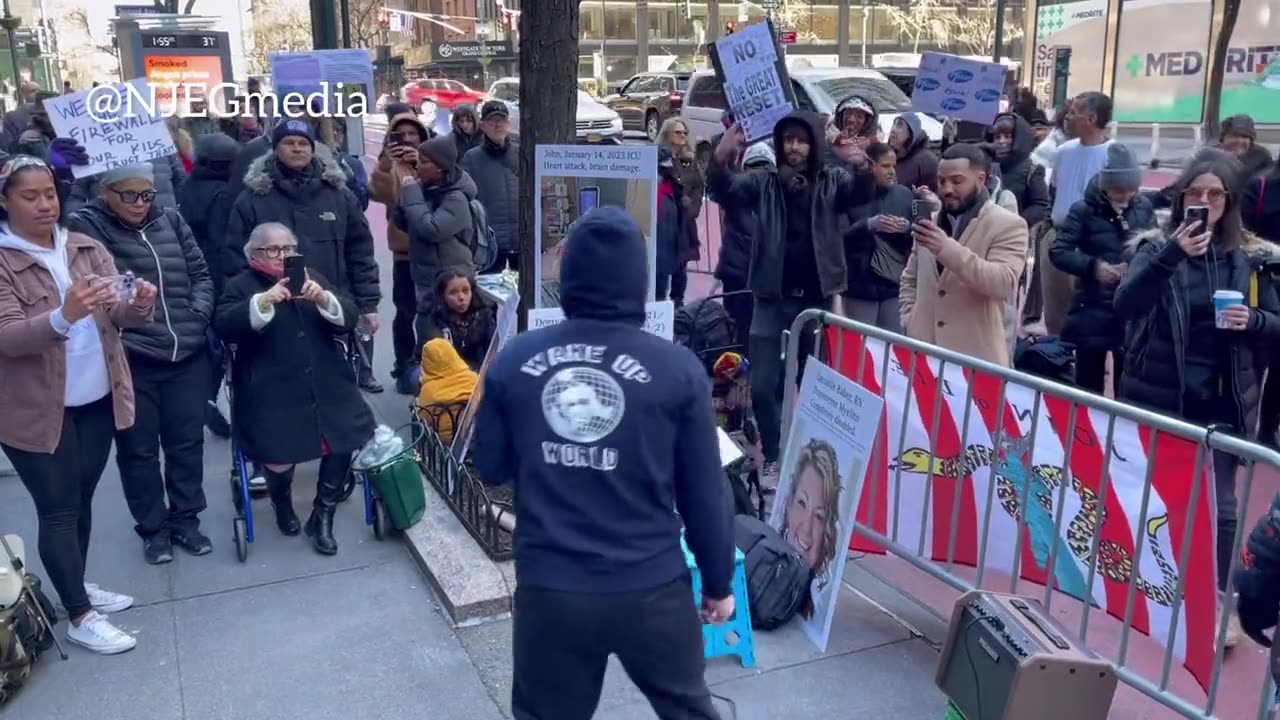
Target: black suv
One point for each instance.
(648, 99)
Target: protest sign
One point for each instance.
(958, 87)
(117, 124)
(344, 77)
(823, 467)
(659, 318)
(504, 328)
(572, 180)
(754, 76)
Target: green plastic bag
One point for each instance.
(397, 483)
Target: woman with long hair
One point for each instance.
(811, 521)
(1184, 358)
(691, 177)
(64, 383)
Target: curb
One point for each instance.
(471, 587)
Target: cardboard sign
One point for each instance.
(754, 76)
(117, 124)
(958, 87)
(660, 318)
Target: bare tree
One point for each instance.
(367, 28)
(548, 104)
(973, 28)
(1217, 70)
(277, 28)
(77, 21)
(924, 21)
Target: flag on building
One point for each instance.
(981, 469)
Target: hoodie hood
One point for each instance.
(215, 154)
(259, 179)
(409, 117)
(1023, 141)
(813, 124)
(41, 254)
(445, 376)
(461, 112)
(860, 102)
(919, 138)
(605, 271)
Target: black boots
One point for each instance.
(333, 473)
(280, 489)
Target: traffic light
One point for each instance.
(729, 27)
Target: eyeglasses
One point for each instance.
(129, 197)
(1214, 195)
(679, 132)
(279, 251)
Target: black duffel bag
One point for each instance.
(778, 578)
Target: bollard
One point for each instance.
(1155, 145)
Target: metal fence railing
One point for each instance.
(866, 354)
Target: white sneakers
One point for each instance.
(97, 635)
(94, 633)
(105, 601)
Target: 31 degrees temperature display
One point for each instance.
(184, 41)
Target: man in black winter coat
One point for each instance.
(1013, 140)
(1094, 245)
(206, 207)
(797, 261)
(877, 246)
(308, 194)
(917, 164)
(168, 357)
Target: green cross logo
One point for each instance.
(1050, 19)
(1134, 65)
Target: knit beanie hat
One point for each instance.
(1121, 171)
(291, 128)
(1241, 125)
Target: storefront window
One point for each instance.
(671, 24)
(608, 20)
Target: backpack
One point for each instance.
(23, 638)
(706, 328)
(484, 244)
(778, 577)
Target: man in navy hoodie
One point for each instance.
(607, 432)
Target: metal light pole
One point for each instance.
(998, 55)
(11, 23)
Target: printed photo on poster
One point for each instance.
(572, 180)
(820, 481)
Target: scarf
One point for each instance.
(267, 269)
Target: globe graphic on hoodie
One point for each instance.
(582, 404)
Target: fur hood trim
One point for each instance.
(259, 181)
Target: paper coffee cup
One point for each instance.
(1223, 299)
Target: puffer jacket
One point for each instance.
(384, 189)
(835, 190)
(169, 179)
(495, 171)
(438, 222)
(1021, 175)
(1093, 233)
(918, 165)
(163, 252)
(1151, 300)
(333, 233)
(261, 145)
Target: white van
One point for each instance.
(816, 89)
(596, 122)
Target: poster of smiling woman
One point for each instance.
(822, 469)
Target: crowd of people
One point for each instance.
(120, 294)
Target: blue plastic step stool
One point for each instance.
(732, 637)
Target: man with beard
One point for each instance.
(797, 259)
(965, 267)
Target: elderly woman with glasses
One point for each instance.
(1185, 359)
(295, 396)
(169, 358)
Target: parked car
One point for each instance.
(430, 95)
(648, 99)
(596, 123)
(817, 89)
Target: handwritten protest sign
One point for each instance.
(958, 87)
(113, 123)
(756, 85)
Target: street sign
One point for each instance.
(787, 37)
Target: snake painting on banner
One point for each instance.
(979, 472)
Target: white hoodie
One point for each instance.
(87, 377)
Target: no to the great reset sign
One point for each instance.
(752, 85)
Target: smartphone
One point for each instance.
(1198, 214)
(126, 286)
(588, 199)
(296, 272)
(920, 210)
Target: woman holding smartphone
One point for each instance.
(64, 383)
(1186, 357)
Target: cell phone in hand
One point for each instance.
(920, 210)
(296, 273)
(1198, 216)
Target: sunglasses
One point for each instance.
(129, 197)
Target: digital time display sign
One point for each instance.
(184, 41)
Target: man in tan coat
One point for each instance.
(964, 267)
(404, 134)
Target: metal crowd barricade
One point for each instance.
(1248, 455)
